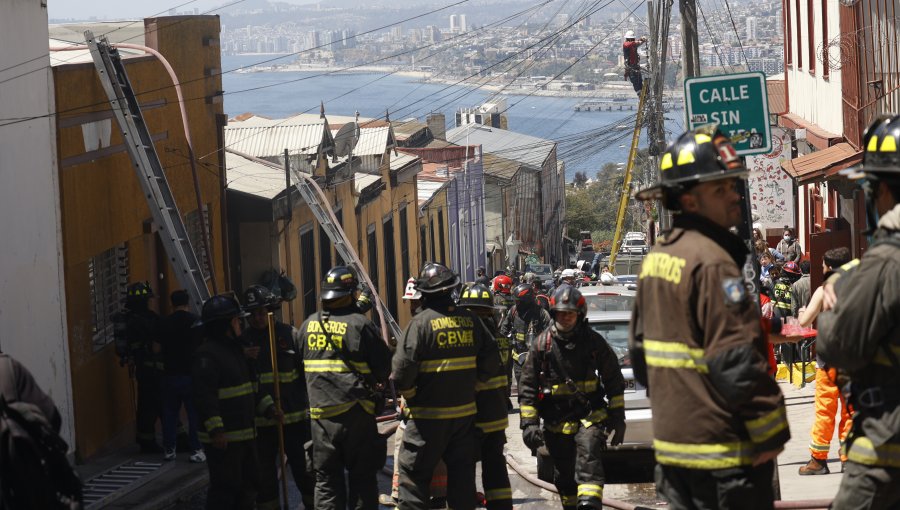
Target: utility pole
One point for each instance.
(691, 54)
(659, 13)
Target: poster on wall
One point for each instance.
(771, 188)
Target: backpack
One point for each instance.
(34, 470)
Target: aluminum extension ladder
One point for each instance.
(318, 203)
(149, 169)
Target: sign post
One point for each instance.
(738, 103)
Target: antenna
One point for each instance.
(345, 139)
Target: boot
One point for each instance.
(814, 467)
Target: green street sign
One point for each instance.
(738, 103)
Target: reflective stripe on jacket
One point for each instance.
(223, 391)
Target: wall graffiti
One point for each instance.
(771, 188)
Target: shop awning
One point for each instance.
(822, 164)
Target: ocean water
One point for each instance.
(281, 94)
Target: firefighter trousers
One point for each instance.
(828, 398)
(868, 487)
(425, 443)
(295, 435)
(348, 441)
(738, 488)
(438, 478)
(578, 474)
(233, 476)
(149, 402)
(494, 477)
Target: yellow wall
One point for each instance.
(434, 209)
(103, 205)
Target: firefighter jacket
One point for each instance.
(223, 391)
(490, 396)
(292, 387)
(442, 354)
(571, 381)
(333, 387)
(783, 294)
(524, 324)
(697, 331)
(861, 336)
(139, 329)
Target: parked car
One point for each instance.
(634, 247)
(542, 272)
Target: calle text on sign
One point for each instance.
(738, 103)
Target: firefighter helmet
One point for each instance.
(140, 290)
(436, 278)
(523, 292)
(792, 268)
(221, 307)
(257, 296)
(882, 142)
(699, 155)
(568, 299)
(502, 284)
(411, 293)
(477, 296)
(340, 281)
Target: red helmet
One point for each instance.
(502, 284)
(791, 267)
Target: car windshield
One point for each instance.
(540, 269)
(635, 242)
(609, 303)
(616, 335)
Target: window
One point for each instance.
(811, 36)
(324, 252)
(372, 245)
(799, 37)
(433, 249)
(307, 270)
(441, 236)
(390, 266)
(404, 244)
(423, 244)
(339, 214)
(107, 279)
(788, 41)
(825, 67)
(195, 234)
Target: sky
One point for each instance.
(133, 9)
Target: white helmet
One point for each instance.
(629, 34)
(411, 292)
(607, 278)
(567, 273)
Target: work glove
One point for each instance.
(618, 433)
(533, 436)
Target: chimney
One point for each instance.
(437, 125)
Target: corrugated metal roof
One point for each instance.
(252, 177)
(500, 167)
(362, 181)
(526, 149)
(115, 31)
(401, 160)
(426, 190)
(266, 141)
(823, 163)
(58, 58)
(373, 141)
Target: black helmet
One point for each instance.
(141, 290)
(702, 154)
(340, 281)
(882, 143)
(436, 278)
(221, 307)
(477, 296)
(523, 292)
(257, 296)
(568, 299)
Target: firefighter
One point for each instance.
(225, 400)
(502, 286)
(525, 320)
(719, 419)
(345, 363)
(572, 381)
(138, 347)
(492, 417)
(858, 335)
(438, 360)
(258, 300)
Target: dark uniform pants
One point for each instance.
(233, 476)
(868, 487)
(718, 489)
(295, 435)
(426, 442)
(149, 402)
(348, 441)
(494, 477)
(579, 475)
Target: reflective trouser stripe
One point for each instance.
(569, 499)
(447, 365)
(493, 426)
(318, 413)
(498, 494)
(704, 456)
(236, 391)
(862, 451)
(494, 383)
(231, 435)
(334, 366)
(440, 413)
(674, 355)
(589, 386)
(590, 490)
(566, 427)
(289, 418)
(264, 404)
(768, 425)
(617, 402)
(214, 422)
(283, 377)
